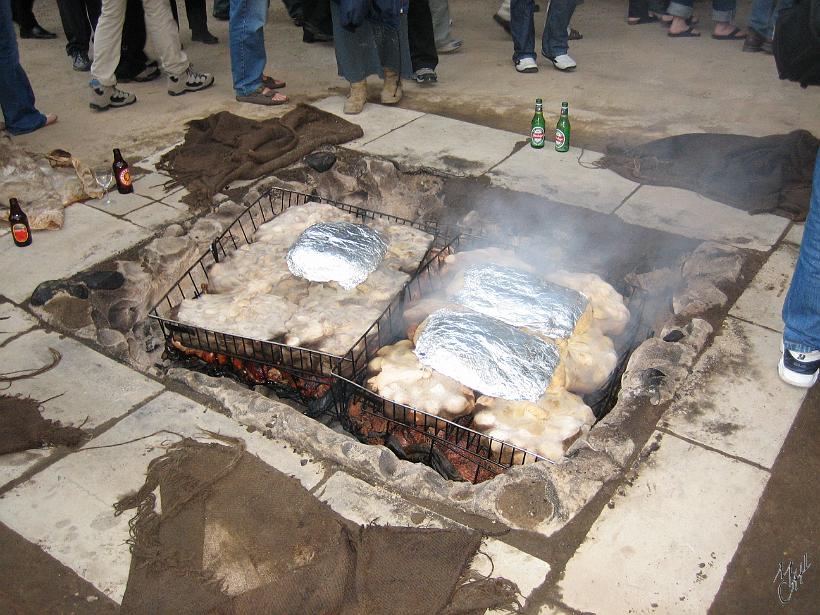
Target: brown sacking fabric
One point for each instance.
(771, 174)
(237, 537)
(23, 428)
(224, 147)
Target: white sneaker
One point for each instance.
(563, 62)
(526, 65)
(800, 369)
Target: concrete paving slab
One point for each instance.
(152, 186)
(762, 301)
(155, 216)
(13, 465)
(121, 204)
(175, 199)
(86, 386)
(795, 234)
(560, 177)
(88, 237)
(82, 531)
(689, 214)
(452, 146)
(664, 543)
(735, 401)
(376, 120)
(498, 559)
(14, 321)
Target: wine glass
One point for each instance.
(104, 176)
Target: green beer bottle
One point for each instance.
(562, 130)
(538, 127)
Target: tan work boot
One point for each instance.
(356, 97)
(391, 92)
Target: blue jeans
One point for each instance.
(16, 96)
(722, 10)
(247, 43)
(763, 15)
(555, 39)
(801, 311)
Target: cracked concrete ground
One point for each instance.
(717, 500)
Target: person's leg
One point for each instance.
(222, 9)
(637, 10)
(555, 40)
(760, 16)
(522, 29)
(247, 44)
(723, 12)
(107, 42)
(294, 9)
(421, 38)
(76, 25)
(23, 14)
(16, 95)
(317, 24)
(801, 311)
(440, 12)
(160, 22)
(133, 60)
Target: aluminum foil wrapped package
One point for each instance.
(522, 299)
(341, 252)
(486, 354)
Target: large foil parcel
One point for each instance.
(341, 252)
(521, 299)
(487, 355)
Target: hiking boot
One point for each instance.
(799, 369)
(80, 62)
(105, 96)
(526, 65)
(356, 98)
(189, 81)
(450, 46)
(425, 76)
(391, 92)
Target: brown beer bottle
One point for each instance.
(20, 230)
(121, 174)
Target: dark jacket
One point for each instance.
(386, 12)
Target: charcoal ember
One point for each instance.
(486, 354)
(321, 161)
(341, 252)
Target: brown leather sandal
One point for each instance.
(264, 96)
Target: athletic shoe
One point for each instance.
(105, 96)
(799, 369)
(450, 46)
(425, 76)
(526, 65)
(189, 81)
(562, 62)
(80, 62)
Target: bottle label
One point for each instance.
(125, 177)
(560, 138)
(20, 233)
(537, 135)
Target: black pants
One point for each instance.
(421, 37)
(23, 14)
(79, 19)
(294, 8)
(222, 7)
(196, 12)
(132, 51)
(316, 17)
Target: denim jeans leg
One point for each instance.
(760, 17)
(247, 44)
(555, 39)
(801, 311)
(16, 96)
(522, 29)
(723, 11)
(681, 8)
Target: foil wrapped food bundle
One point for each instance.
(341, 252)
(521, 299)
(486, 354)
